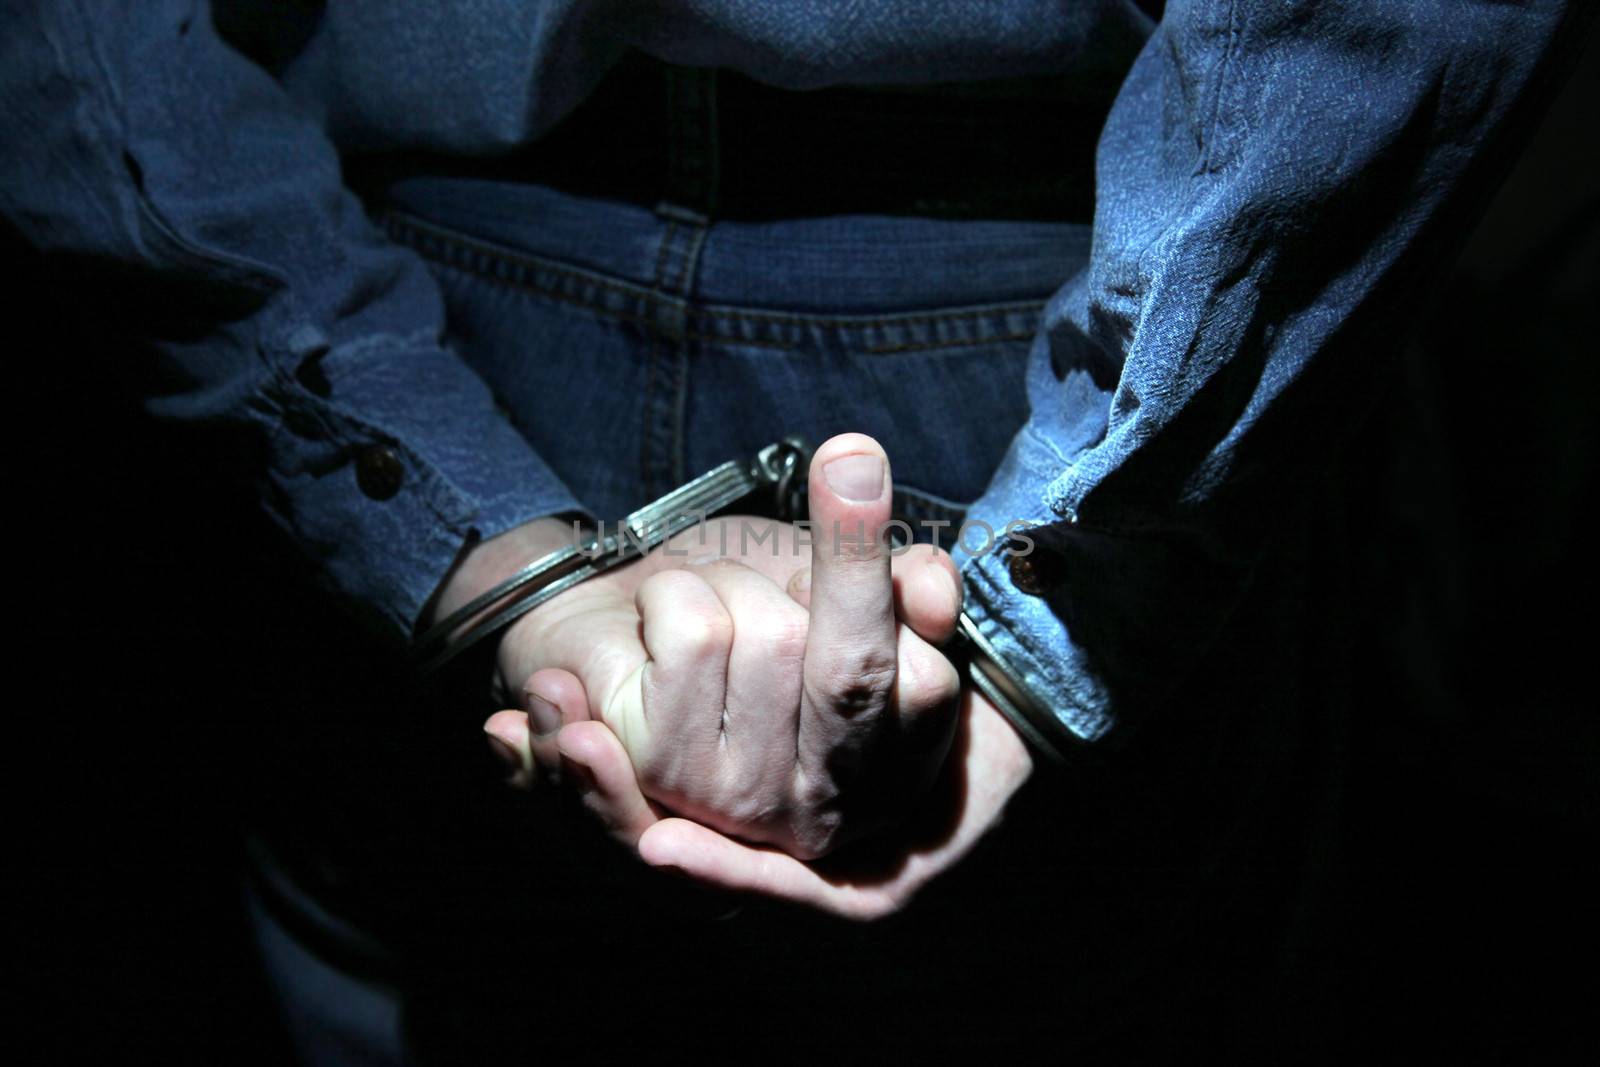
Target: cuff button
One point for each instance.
(1032, 574)
(379, 472)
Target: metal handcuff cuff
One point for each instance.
(773, 481)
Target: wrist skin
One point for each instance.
(490, 562)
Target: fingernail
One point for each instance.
(504, 753)
(510, 760)
(857, 478)
(544, 715)
(801, 582)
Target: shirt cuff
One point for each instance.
(385, 458)
(1031, 638)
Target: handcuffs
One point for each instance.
(773, 481)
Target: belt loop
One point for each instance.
(693, 164)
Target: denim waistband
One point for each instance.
(728, 147)
(842, 266)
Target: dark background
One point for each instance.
(1470, 811)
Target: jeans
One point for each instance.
(637, 348)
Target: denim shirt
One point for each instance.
(1274, 180)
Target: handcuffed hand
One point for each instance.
(735, 706)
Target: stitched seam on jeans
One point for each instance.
(850, 331)
(685, 284)
(908, 318)
(644, 321)
(652, 352)
(652, 346)
(520, 260)
(740, 342)
(661, 255)
(958, 342)
(670, 273)
(689, 261)
(524, 262)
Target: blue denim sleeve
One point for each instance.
(136, 140)
(1274, 181)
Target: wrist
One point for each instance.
(490, 562)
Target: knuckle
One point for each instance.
(661, 773)
(926, 680)
(858, 553)
(858, 679)
(814, 839)
(805, 849)
(721, 563)
(703, 635)
(664, 587)
(747, 807)
(816, 820)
